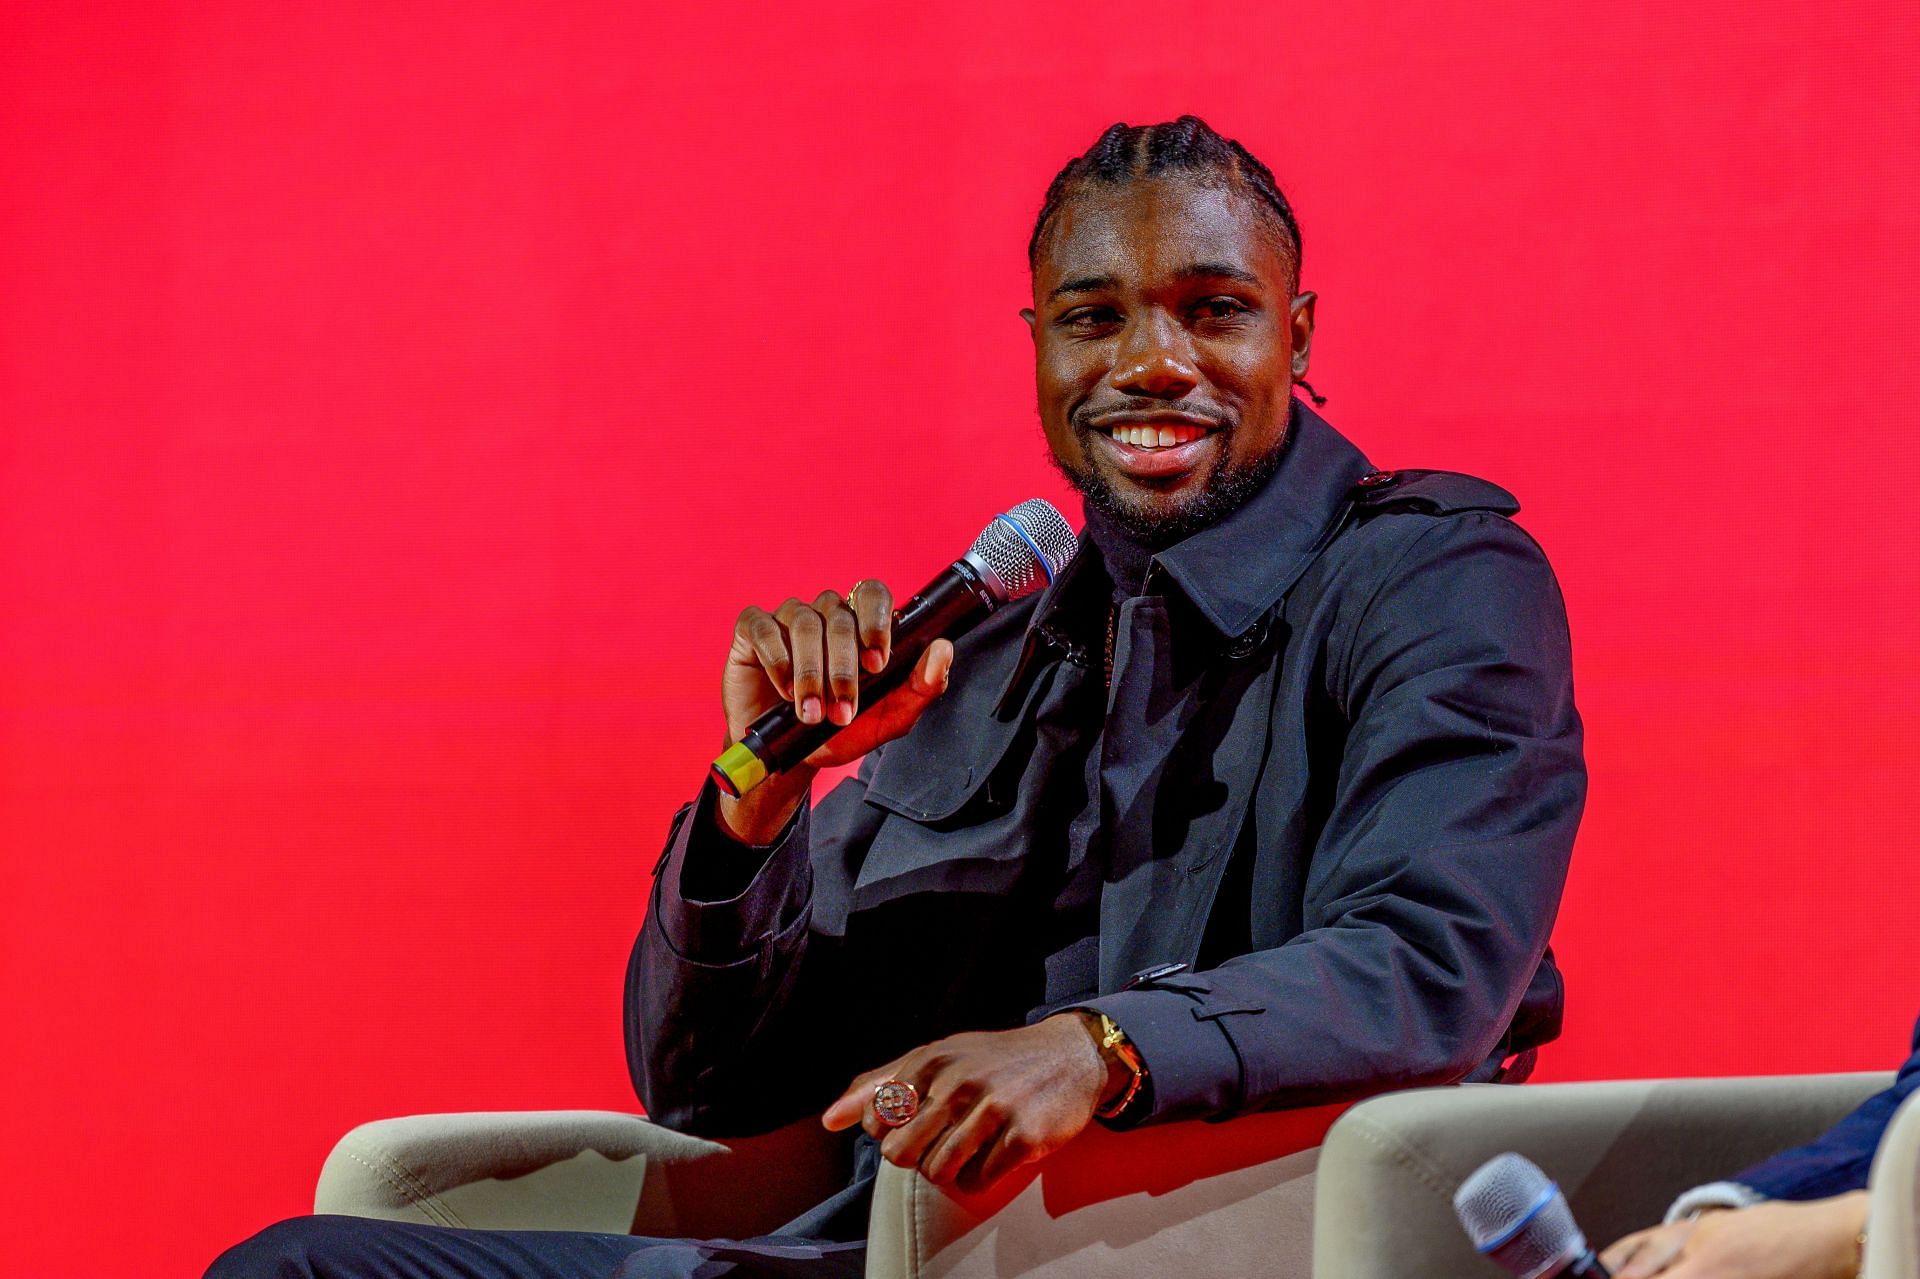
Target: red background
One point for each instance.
(399, 401)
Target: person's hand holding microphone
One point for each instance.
(796, 676)
(809, 656)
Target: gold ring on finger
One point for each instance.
(895, 1102)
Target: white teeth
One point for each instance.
(1157, 437)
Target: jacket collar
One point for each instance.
(1234, 571)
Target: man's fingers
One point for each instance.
(898, 711)
(855, 1105)
(908, 1144)
(1653, 1259)
(1617, 1254)
(851, 1106)
(1009, 1150)
(764, 639)
(843, 657)
(844, 1112)
(893, 714)
(999, 1155)
(1648, 1253)
(933, 671)
(943, 1159)
(806, 641)
(872, 605)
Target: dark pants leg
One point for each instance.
(359, 1248)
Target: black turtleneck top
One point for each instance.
(1124, 556)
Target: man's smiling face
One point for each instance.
(1166, 340)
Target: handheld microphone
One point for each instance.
(1515, 1215)
(1015, 555)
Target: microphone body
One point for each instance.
(1017, 554)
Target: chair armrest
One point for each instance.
(1893, 1212)
(1621, 1150)
(589, 1170)
(1186, 1198)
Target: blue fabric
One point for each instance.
(1838, 1160)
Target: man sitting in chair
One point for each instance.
(1266, 801)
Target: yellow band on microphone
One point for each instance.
(738, 770)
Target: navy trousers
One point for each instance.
(356, 1248)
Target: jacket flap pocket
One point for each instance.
(931, 773)
(961, 820)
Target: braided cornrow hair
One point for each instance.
(1187, 145)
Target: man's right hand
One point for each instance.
(811, 655)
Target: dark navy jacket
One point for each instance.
(1355, 692)
(1838, 1161)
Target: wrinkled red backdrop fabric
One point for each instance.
(397, 403)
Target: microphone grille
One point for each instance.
(1019, 552)
(1518, 1217)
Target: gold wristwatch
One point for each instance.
(1114, 1043)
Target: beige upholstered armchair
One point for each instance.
(1212, 1199)
(1622, 1151)
(1258, 1196)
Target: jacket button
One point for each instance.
(1244, 644)
(1376, 479)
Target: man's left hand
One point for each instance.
(989, 1100)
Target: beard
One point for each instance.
(1224, 490)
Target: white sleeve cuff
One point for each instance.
(1717, 1194)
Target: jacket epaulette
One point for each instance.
(1430, 492)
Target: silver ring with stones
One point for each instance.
(895, 1102)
